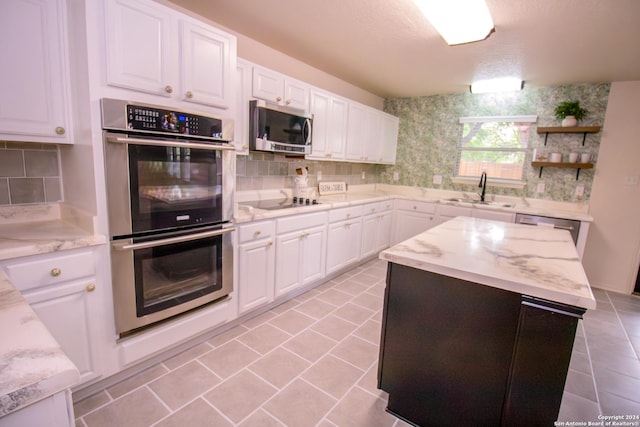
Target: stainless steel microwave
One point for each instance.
(279, 129)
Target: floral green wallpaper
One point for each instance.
(429, 133)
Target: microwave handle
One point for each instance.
(121, 246)
(306, 131)
(163, 143)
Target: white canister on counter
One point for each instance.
(585, 157)
(555, 157)
(573, 157)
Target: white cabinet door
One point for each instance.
(280, 89)
(34, 88)
(296, 94)
(151, 48)
(494, 215)
(409, 224)
(256, 262)
(288, 253)
(267, 85)
(372, 136)
(384, 230)
(329, 126)
(243, 90)
(343, 244)
(369, 235)
(447, 212)
(312, 257)
(389, 142)
(67, 312)
(356, 132)
(206, 65)
(141, 47)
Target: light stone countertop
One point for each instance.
(372, 193)
(41, 229)
(539, 262)
(32, 364)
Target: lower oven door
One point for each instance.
(161, 276)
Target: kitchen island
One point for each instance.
(479, 322)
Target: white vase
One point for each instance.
(569, 121)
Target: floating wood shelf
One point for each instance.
(584, 130)
(576, 166)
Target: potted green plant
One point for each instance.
(570, 112)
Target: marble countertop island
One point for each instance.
(536, 261)
(32, 364)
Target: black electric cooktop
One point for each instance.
(274, 204)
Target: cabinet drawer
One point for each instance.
(298, 222)
(258, 230)
(410, 205)
(343, 214)
(35, 272)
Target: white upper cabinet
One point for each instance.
(207, 76)
(153, 49)
(328, 140)
(34, 100)
(372, 135)
(279, 89)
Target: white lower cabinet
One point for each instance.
(494, 215)
(53, 411)
(256, 261)
(300, 251)
(62, 290)
(447, 212)
(411, 218)
(376, 228)
(343, 241)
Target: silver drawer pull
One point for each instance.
(55, 272)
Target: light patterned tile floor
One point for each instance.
(313, 361)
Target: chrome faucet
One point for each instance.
(483, 185)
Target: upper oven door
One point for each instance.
(155, 185)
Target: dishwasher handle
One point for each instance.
(561, 227)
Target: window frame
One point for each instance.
(507, 182)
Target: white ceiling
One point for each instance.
(388, 48)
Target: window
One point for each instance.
(496, 145)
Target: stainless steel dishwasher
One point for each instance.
(573, 226)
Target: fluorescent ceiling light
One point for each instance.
(458, 21)
(497, 85)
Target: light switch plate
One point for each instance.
(541, 188)
(396, 176)
(631, 180)
(580, 191)
(437, 179)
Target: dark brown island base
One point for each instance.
(460, 351)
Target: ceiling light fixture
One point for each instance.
(458, 21)
(505, 84)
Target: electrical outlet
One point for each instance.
(319, 175)
(364, 175)
(396, 176)
(540, 188)
(437, 179)
(580, 191)
(631, 180)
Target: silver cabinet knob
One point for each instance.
(189, 94)
(288, 101)
(168, 89)
(60, 130)
(91, 287)
(278, 98)
(55, 272)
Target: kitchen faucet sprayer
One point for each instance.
(483, 185)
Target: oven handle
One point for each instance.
(120, 246)
(164, 143)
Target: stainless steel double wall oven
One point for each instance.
(170, 178)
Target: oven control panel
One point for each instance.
(173, 122)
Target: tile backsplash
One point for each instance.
(29, 173)
(266, 171)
